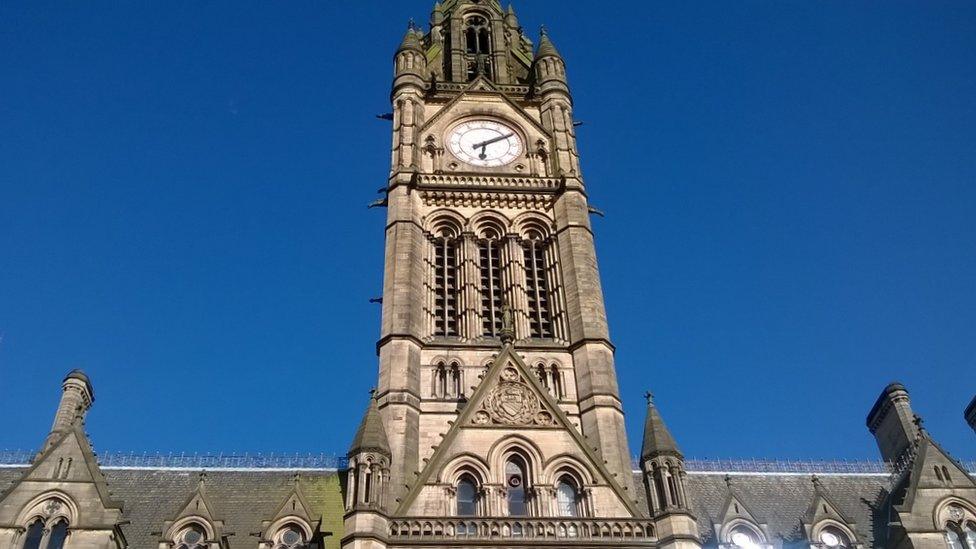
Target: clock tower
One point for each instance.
(497, 415)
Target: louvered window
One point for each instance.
(445, 287)
(537, 289)
(491, 288)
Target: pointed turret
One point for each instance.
(413, 39)
(892, 422)
(371, 436)
(657, 438)
(546, 47)
(511, 19)
(437, 14)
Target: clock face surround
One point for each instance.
(485, 143)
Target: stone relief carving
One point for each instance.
(513, 402)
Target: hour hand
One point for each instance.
(484, 144)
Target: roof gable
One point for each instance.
(492, 404)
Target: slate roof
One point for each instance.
(242, 499)
(781, 501)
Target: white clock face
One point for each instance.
(485, 143)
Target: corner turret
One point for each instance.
(77, 397)
(893, 423)
(367, 481)
(665, 478)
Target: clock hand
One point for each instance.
(484, 144)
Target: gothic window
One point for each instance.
(58, 535)
(477, 46)
(447, 381)
(567, 498)
(290, 537)
(491, 287)
(191, 537)
(960, 536)
(551, 379)
(743, 537)
(35, 532)
(537, 288)
(445, 286)
(832, 536)
(515, 484)
(467, 497)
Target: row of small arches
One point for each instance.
(488, 225)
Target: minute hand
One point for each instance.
(484, 144)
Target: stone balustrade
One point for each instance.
(537, 529)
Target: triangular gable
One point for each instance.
(295, 505)
(735, 508)
(822, 506)
(69, 458)
(197, 505)
(486, 408)
(928, 455)
(482, 85)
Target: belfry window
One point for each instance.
(491, 287)
(537, 288)
(515, 484)
(445, 286)
(477, 46)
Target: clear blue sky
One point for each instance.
(790, 191)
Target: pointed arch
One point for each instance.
(49, 507)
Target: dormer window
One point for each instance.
(834, 537)
(290, 537)
(192, 537)
(743, 537)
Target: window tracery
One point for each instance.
(477, 46)
(193, 536)
(291, 537)
(47, 521)
(743, 536)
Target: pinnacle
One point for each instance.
(546, 47)
(657, 438)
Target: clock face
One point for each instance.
(485, 143)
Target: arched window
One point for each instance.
(970, 533)
(491, 287)
(537, 287)
(290, 537)
(58, 535)
(515, 483)
(831, 536)
(467, 497)
(557, 383)
(744, 538)
(191, 537)
(477, 46)
(35, 532)
(567, 498)
(445, 285)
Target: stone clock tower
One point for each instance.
(497, 415)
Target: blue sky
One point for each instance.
(790, 191)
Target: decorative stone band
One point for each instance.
(459, 199)
(488, 183)
(509, 89)
(541, 531)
